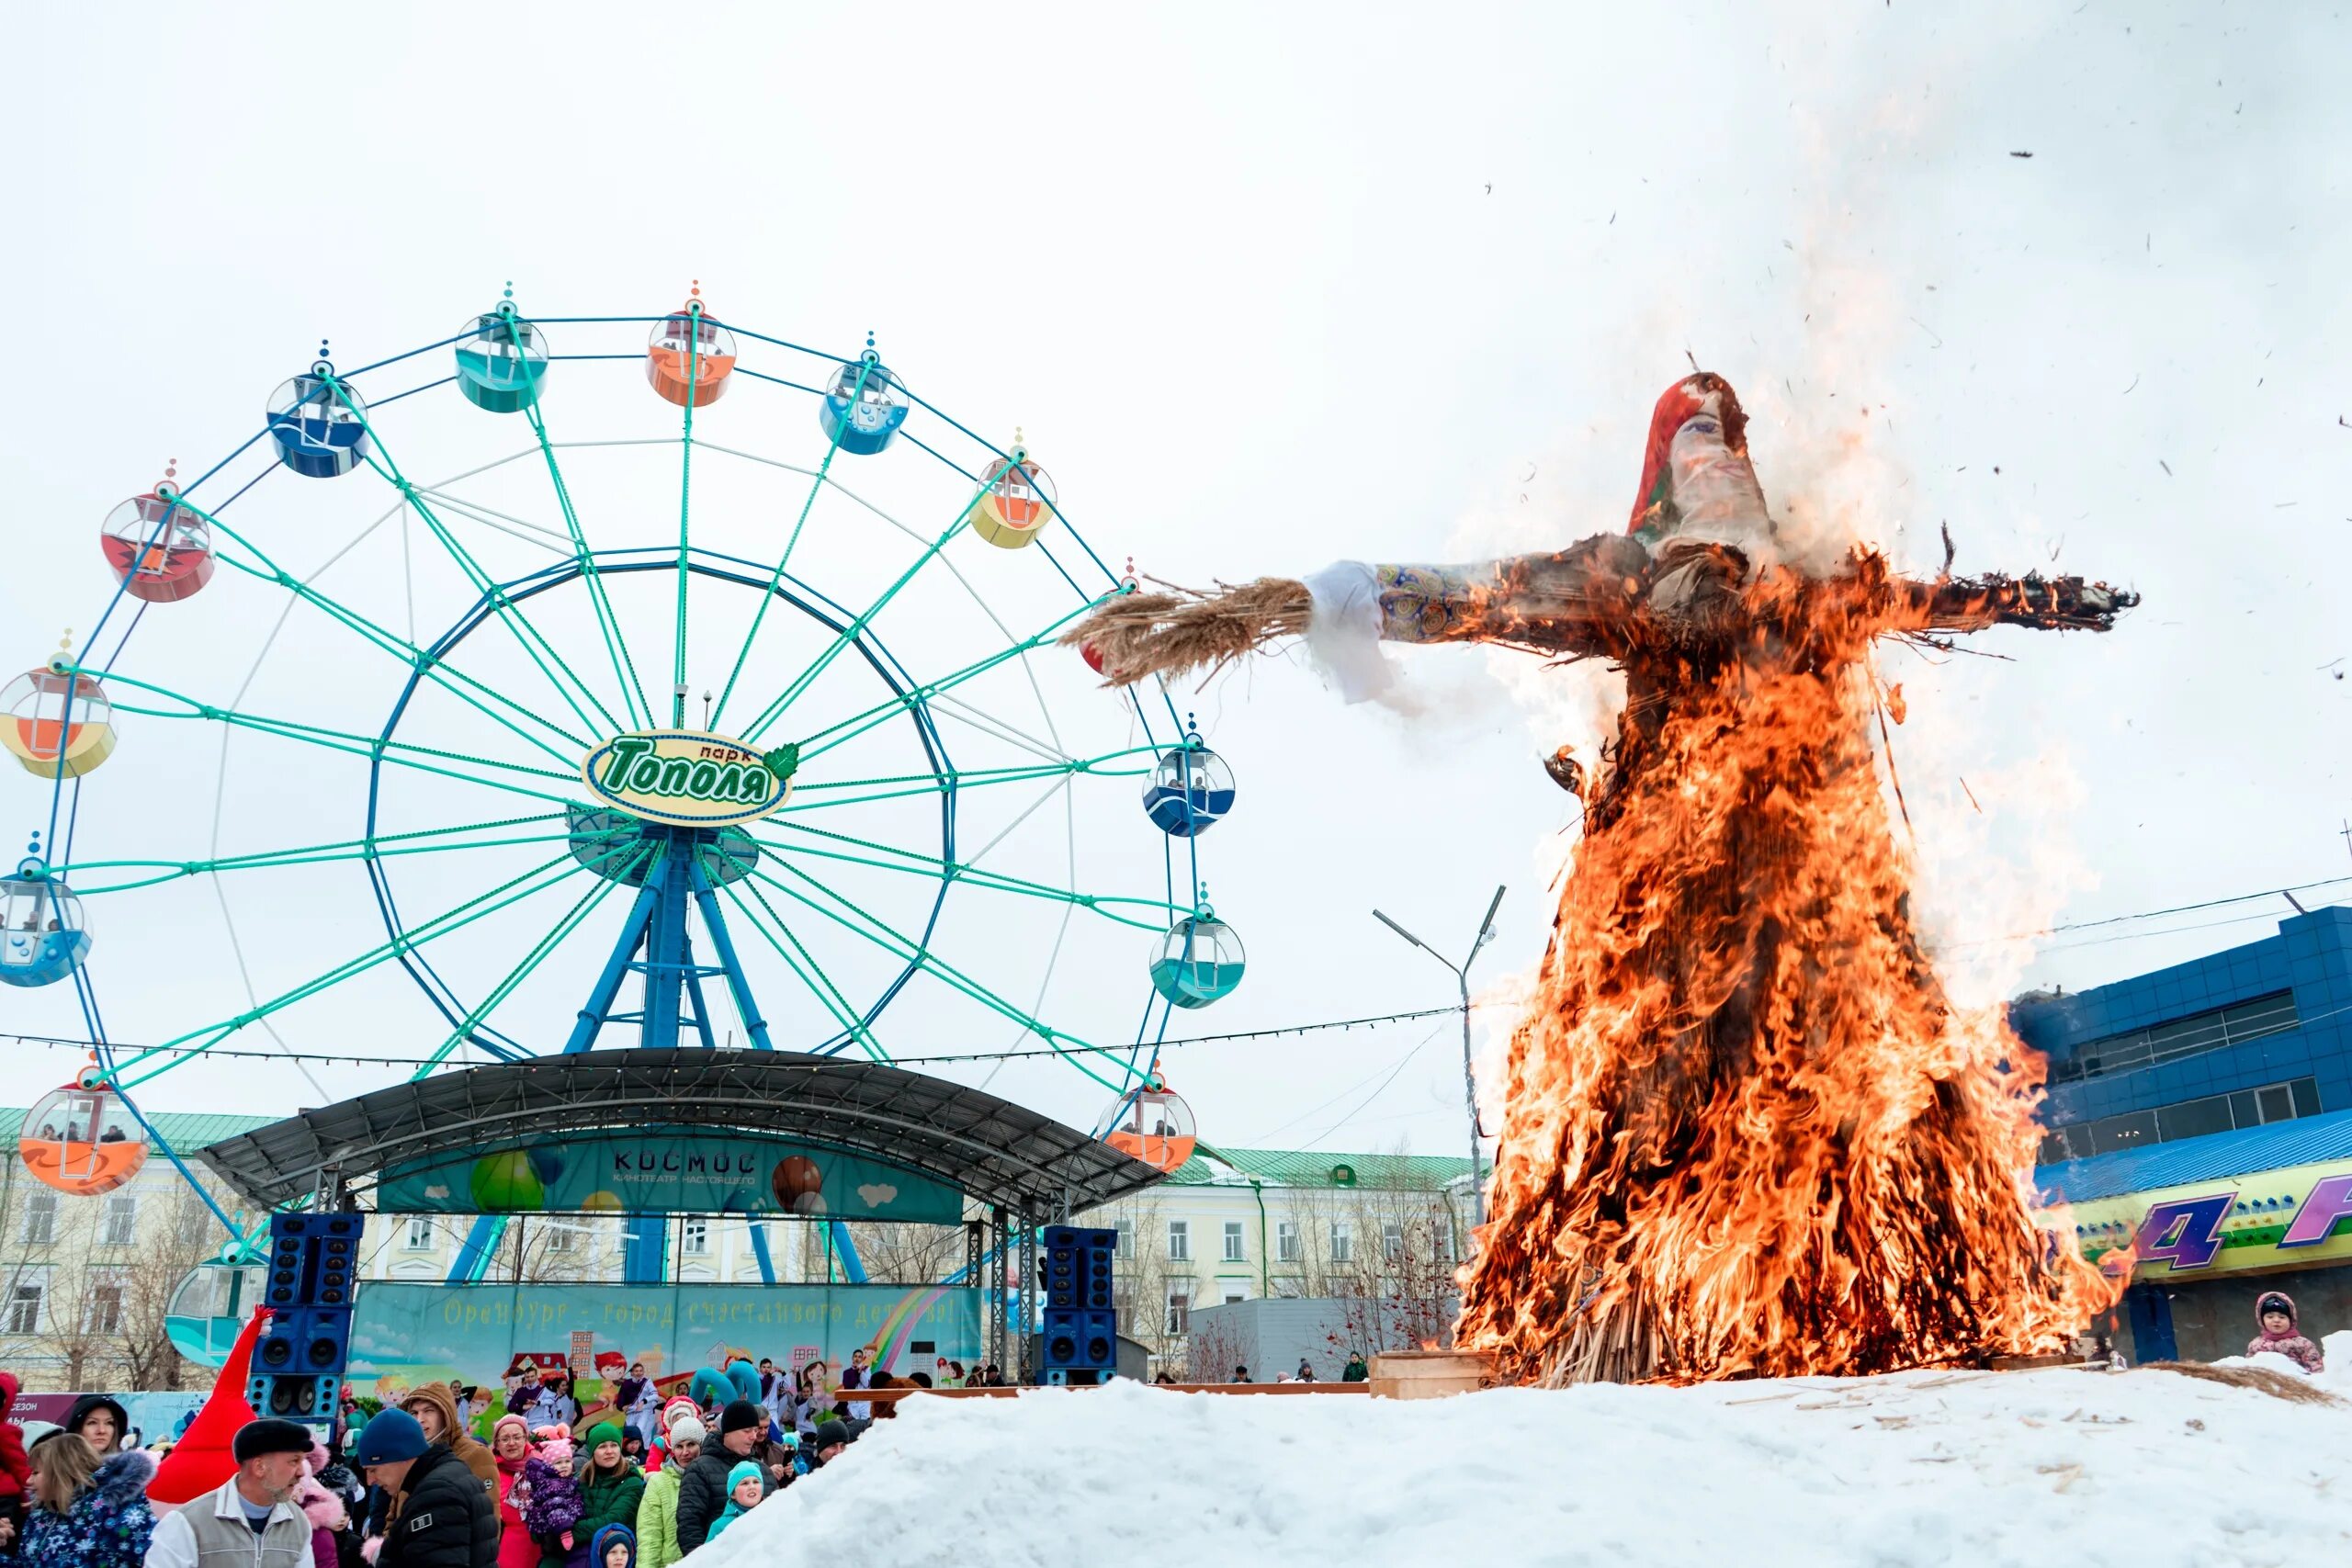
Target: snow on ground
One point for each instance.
(2062, 1467)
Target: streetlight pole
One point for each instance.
(1469, 1077)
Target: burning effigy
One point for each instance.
(1745, 1133)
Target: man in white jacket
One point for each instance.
(251, 1520)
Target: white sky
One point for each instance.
(1239, 274)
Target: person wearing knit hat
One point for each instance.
(708, 1485)
(438, 1516)
(611, 1486)
(657, 1510)
(746, 1485)
(553, 1512)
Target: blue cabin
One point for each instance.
(318, 432)
(1198, 961)
(1189, 789)
(502, 362)
(44, 939)
(864, 406)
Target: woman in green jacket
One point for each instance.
(610, 1487)
(657, 1513)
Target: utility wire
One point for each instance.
(363, 1061)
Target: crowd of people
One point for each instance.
(412, 1487)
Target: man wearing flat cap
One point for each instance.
(251, 1520)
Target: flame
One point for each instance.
(1745, 1132)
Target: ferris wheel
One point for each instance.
(598, 680)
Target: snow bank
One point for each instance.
(2143, 1469)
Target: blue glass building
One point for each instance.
(2211, 1072)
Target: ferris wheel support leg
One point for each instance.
(481, 1241)
(599, 1005)
(694, 973)
(666, 959)
(759, 1229)
(754, 1025)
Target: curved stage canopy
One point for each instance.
(990, 1150)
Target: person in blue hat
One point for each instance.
(439, 1515)
(746, 1485)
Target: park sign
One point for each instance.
(689, 778)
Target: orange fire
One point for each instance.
(1745, 1132)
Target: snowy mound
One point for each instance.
(2149, 1468)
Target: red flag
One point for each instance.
(201, 1460)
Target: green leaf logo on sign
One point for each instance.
(686, 776)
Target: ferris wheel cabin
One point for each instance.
(319, 427)
(689, 357)
(1016, 505)
(44, 938)
(57, 723)
(82, 1139)
(1197, 962)
(161, 551)
(1155, 1126)
(502, 361)
(1189, 789)
(864, 406)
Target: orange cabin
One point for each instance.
(82, 1140)
(1156, 1127)
(689, 358)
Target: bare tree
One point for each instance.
(897, 1252)
(178, 1232)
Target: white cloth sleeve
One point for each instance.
(1343, 634)
(173, 1544)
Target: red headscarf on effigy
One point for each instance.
(1653, 503)
(201, 1461)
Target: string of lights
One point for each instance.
(61, 1042)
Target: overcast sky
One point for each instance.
(1264, 286)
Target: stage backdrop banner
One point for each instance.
(404, 1334)
(667, 1170)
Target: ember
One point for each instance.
(1745, 1133)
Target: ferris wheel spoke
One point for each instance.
(930, 868)
(959, 780)
(995, 728)
(811, 974)
(862, 923)
(526, 636)
(161, 1058)
(857, 724)
(404, 649)
(815, 485)
(557, 934)
(850, 633)
(311, 854)
(505, 523)
(373, 748)
(608, 622)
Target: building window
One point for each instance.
(195, 1221)
(1127, 1238)
(417, 1236)
(40, 1220)
(24, 1307)
(121, 1221)
(2199, 1032)
(1289, 1287)
(1286, 1241)
(1233, 1253)
(698, 1238)
(1179, 1309)
(1392, 1242)
(563, 1237)
(1233, 1290)
(2189, 1119)
(102, 1309)
(1343, 1242)
(1180, 1246)
(1123, 1303)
